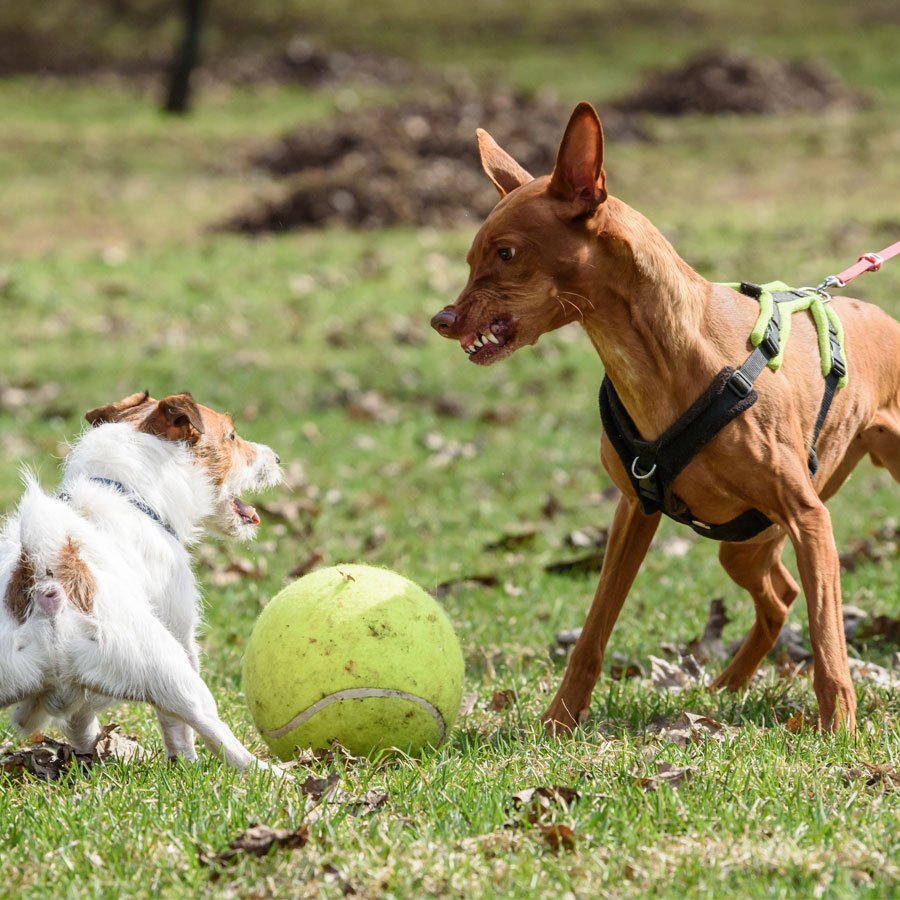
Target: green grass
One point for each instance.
(111, 283)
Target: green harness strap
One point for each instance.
(823, 315)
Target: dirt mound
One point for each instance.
(722, 81)
(413, 163)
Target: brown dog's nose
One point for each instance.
(445, 321)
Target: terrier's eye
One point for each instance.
(506, 253)
(231, 436)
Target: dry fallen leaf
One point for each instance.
(306, 565)
(515, 536)
(500, 700)
(236, 569)
(709, 645)
(876, 775)
(113, 745)
(257, 840)
(559, 837)
(666, 773)
(580, 565)
(448, 587)
(588, 536)
(860, 670)
(884, 627)
(317, 788)
(50, 760)
(622, 668)
(680, 676)
(690, 728)
(468, 704)
(538, 803)
(883, 543)
(800, 722)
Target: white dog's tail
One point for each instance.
(50, 572)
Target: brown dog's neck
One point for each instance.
(649, 318)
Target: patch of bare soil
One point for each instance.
(412, 163)
(723, 81)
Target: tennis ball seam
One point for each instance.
(358, 694)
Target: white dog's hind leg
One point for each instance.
(82, 729)
(178, 737)
(157, 671)
(30, 715)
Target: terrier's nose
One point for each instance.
(445, 321)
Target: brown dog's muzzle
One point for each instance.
(445, 322)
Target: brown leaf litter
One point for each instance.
(50, 760)
(666, 773)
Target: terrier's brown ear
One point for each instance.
(115, 412)
(578, 176)
(176, 418)
(500, 167)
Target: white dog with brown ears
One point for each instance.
(98, 600)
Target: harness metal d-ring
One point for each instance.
(645, 474)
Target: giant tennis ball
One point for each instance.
(355, 654)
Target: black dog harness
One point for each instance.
(653, 466)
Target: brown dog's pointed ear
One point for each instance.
(115, 412)
(500, 167)
(578, 176)
(176, 418)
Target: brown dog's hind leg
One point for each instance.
(629, 539)
(882, 440)
(758, 569)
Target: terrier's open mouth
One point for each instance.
(244, 513)
(489, 344)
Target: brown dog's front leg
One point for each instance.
(629, 539)
(817, 559)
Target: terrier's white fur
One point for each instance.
(98, 600)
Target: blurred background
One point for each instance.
(264, 203)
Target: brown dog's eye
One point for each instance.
(231, 436)
(506, 253)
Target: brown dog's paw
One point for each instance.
(558, 721)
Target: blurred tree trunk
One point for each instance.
(186, 56)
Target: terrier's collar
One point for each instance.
(132, 498)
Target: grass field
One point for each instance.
(401, 454)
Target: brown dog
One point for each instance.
(559, 249)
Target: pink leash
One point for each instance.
(868, 262)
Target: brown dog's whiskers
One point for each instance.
(580, 297)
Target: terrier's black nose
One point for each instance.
(445, 321)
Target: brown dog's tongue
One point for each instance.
(245, 511)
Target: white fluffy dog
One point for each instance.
(98, 600)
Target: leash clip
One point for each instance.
(832, 281)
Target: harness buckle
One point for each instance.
(876, 259)
(770, 344)
(838, 366)
(740, 384)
